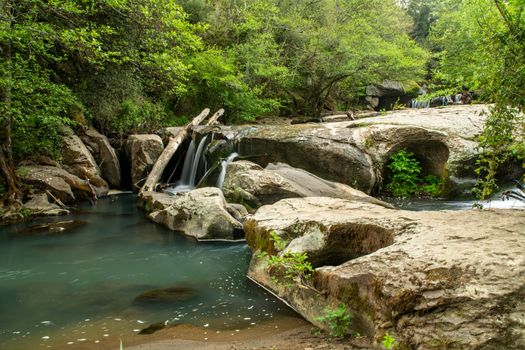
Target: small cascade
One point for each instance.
(189, 168)
(224, 166)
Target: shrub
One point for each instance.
(388, 341)
(287, 267)
(406, 181)
(337, 320)
(405, 174)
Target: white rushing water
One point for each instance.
(190, 167)
(224, 167)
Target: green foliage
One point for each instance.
(287, 267)
(406, 178)
(388, 341)
(337, 320)
(481, 45)
(405, 170)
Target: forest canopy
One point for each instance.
(136, 65)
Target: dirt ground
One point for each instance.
(283, 334)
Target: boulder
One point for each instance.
(39, 205)
(201, 213)
(249, 184)
(384, 96)
(104, 155)
(80, 162)
(142, 151)
(356, 153)
(61, 184)
(434, 280)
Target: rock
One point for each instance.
(428, 278)
(356, 153)
(327, 153)
(385, 95)
(153, 328)
(167, 295)
(201, 213)
(249, 184)
(50, 228)
(142, 151)
(238, 211)
(104, 155)
(61, 184)
(80, 162)
(39, 205)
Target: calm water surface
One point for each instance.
(80, 286)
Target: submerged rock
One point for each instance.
(142, 151)
(50, 228)
(155, 327)
(201, 213)
(428, 278)
(249, 184)
(167, 295)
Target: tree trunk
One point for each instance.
(174, 143)
(7, 168)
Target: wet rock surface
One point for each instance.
(200, 213)
(142, 151)
(250, 184)
(441, 279)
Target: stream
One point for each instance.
(80, 286)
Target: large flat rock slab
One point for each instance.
(356, 153)
(440, 279)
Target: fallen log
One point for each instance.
(174, 143)
(215, 117)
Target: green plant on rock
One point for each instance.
(287, 267)
(406, 178)
(388, 341)
(337, 320)
(405, 174)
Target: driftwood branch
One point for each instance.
(174, 143)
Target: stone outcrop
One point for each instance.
(39, 205)
(104, 155)
(250, 184)
(435, 280)
(61, 184)
(142, 151)
(80, 162)
(385, 95)
(201, 213)
(356, 152)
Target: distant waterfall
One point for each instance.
(224, 167)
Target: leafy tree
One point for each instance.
(481, 46)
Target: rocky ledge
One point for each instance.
(435, 280)
(356, 153)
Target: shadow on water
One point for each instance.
(56, 289)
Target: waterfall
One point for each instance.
(196, 160)
(224, 166)
(189, 168)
